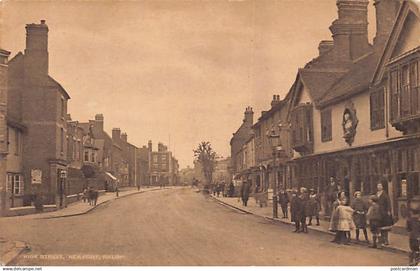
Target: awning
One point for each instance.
(111, 176)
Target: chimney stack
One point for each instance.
(249, 115)
(99, 122)
(325, 46)
(124, 137)
(276, 100)
(116, 134)
(386, 12)
(350, 30)
(36, 52)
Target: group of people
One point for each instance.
(359, 215)
(218, 188)
(90, 195)
(304, 205)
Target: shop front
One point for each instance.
(394, 163)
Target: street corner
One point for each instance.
(10, 250)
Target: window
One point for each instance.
(155, 158)
(74, 151)
(302, 133)
(405, 90)
(377, 112)
(15, 184)
(63, 107)
(86, 156)
(17, 143)
(92, 157)
(62, 140)
(326, 125)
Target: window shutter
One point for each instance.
(373, 110)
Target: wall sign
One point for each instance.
(36, 176)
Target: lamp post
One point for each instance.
(275, 146)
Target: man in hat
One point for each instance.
(245, 190)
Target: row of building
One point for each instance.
(352, 113)
(44, 153)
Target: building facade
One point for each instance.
(163, 170)
(355, 108)
(39, 104)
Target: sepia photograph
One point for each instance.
(210, 133)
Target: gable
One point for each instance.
(409, 36)
(404, 35)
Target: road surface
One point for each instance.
(178, 227)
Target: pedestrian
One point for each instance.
(343, 222)
(222, 188)
(331, 195)
(231, 192)
(314, 206)
(334, 219)
(245, 190)
(138, 187)
(359, 216)
(85, 194)
(304, 196)
(117, 191)
(374, 218)
(218, 189)
(284, 201)
(385, 206)
(296, 210)
(413, 228)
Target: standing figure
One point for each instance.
(296, 210)
(314, 207)
(231, 192)
(375, 218)
(245, 190)
(334, 220)
(284, 201)
(331, 195)
(385, 206)
(359, 216)
(413, 227)
(304, 196)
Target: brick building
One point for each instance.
(243, 134)
(162, 168)
(39, 103)
(4, 193)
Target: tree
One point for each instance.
(206, 157)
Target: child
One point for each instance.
(413, 227)
(314, 206)
(374, 217)
(359, 215)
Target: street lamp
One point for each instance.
(274, 140)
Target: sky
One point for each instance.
(174, 71)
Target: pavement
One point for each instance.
(398, 242)
(178, 227)
(10, 249)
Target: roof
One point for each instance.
(317, 82)
(54, 83)
(356, 80)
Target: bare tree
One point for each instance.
(205, 155)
